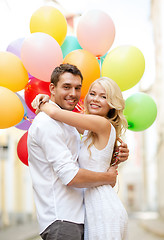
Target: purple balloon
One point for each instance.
(26, 123)
(28, 116)
(15, 48)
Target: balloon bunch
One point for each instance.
(28, 63)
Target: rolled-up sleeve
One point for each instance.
(53, 143)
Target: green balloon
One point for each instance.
(140, 111)
(70, 44)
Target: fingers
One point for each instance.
(113, 173)
(46, 98)
(37, 111)
(123, 158)
(120, 140)
(40, 98)
(113, 184)
(34, 104)
(123, 152)
(120, 157)
(115, 157)
(123, 144)
(115, 161)
(114, 167)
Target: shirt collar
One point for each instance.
(50, 101)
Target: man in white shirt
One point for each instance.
(53, 149)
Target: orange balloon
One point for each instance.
(11, 108)
(13, 74)
(87, 64)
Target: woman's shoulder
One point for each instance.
(112, 128)
(109, 132)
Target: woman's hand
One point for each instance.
(39, 99)
(121, 153)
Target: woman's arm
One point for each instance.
(94, 123)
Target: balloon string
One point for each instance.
(79, 107)
(99, 58)
(26, 118)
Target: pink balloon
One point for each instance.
(40, 54)
(96, 32)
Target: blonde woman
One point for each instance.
(101, 126)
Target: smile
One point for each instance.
(70, 101)
(94, 106)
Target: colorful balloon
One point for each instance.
(28, 116)
(27, 120)
(79, 108)
(49, 20)
(70, 44)
(96, 32)
(22, 150)
(40, 54)
(125, 65)
(11, 108)
(23, 103)
(140, 111)
(101, 59)
(13, 74)
(34, 87)
(15, 48)
(88, 65)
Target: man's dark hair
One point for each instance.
(58, 71)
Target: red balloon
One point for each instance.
(22, 149)
(34, 87)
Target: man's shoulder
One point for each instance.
(43, 121)
(41, 118)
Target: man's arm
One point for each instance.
(51, 139)
(85, 178)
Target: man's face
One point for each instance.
(67, 92)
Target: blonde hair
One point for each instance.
(115, 100)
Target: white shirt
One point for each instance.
(53, 149)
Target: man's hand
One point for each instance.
(113, 174)
(86, 178)
(121, 153)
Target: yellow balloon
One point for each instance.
(13, 74)
(11, 108)
(49, 20)
(125, 65)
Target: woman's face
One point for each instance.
(96, 101)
